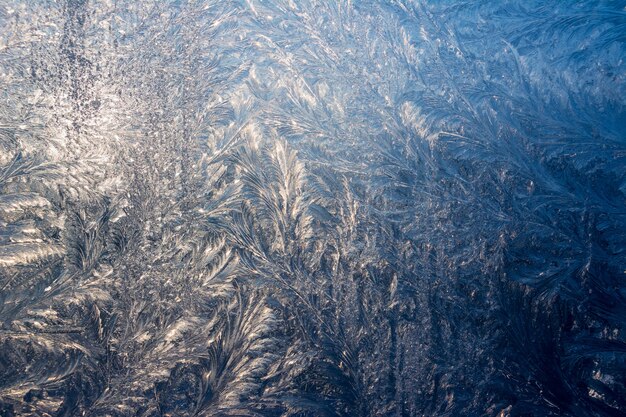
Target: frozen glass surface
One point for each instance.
(312, 208)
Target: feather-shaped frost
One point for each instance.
(309, 208)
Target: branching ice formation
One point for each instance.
(312, 208)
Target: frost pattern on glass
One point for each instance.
(312, 208)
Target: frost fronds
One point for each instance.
(310, 208)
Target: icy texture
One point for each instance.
(301, 208)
